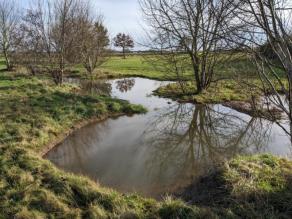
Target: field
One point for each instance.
(148, 66)
(34, 112)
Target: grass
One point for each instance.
(151, 67)
(35, 109)
(248, 187)
(132, 66)
(222, 91)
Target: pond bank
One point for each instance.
(228, 93)
(108, 150)
(248, 108)
(34, 112)
(61, 137)
(246, 187)
(220, 92)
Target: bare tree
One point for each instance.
(36, 48)
(9, 18)
(64, 32)
(192, 27)
(124, 41)
(268, 22)
(49, 31)
(93, 41)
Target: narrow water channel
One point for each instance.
(167, 149)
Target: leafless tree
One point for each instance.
(124, 41)
(94, 46)
(93, 41)
(49, 33)
(9, 20)
(268, 22)
(194, 27)
(36, 48)
(64, 32)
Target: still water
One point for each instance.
(167, 149)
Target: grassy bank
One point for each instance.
(220, 92)
(34, 112)
(247, 187)
(230, 93)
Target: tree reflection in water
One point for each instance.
(195, 139)
(125, 85)
(101, 87)
(96, 87)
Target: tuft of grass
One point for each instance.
(172, 209)
(95, 212)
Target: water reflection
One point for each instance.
(195, 139)
(125, 85)
(96, 87)
(92, 87)
(102, 87)
(165, 150)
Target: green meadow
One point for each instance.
(151, 66)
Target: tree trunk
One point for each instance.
(7, 60)
(196, 69)
(124, 53)
(197, 78)
(290, 96)
(62, 68)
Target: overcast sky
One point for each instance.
(119, 16)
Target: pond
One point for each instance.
(167, 149)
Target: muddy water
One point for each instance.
(165, 150)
